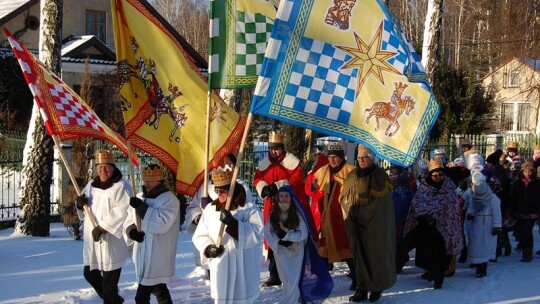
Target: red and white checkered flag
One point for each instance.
(64, 112)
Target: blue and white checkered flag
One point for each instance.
(347, 70)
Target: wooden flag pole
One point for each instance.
(132, 175)
(235, 174)
(73, 180)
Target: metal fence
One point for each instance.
(12, 145)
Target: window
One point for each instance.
(507, 116)
(515, 116)
(513, 80)
(95, 24)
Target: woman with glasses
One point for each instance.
(433, 224)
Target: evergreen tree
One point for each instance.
(465, 106)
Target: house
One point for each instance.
(516, 87)
(87, 31)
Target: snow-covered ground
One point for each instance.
(49, 270)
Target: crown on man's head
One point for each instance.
(152, 174)
(512, 144)
(275, 137)
(104, 157)
(222, 176)
(435, 164)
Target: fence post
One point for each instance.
(494, 142)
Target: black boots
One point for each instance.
(526, 254)
(362, 295)
(374, 296)
(481, 270)
(359, 295)
(271, 282)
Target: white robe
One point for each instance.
(288, 259)
(235, 275)
(154, 258)
(482, 245)
(194, 209)
(110, 209)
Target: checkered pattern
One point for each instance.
(64, 113)
(70, 110)
(407, 60)
(252, 33)
(318, 85)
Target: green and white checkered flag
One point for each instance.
(239, 31)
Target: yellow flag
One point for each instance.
(165, 96)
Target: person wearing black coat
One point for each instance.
(525, 206)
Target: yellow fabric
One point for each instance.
(165, 97)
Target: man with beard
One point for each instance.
(105, 249)
(368, 210)
(278, 169)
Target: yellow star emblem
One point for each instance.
(369, 58)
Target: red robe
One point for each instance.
(334, 242)
(286, 172)
(314, 193)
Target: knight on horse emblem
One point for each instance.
(391, 110)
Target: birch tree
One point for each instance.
(35, 199)
(432, 33)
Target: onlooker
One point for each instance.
(105, 249)
(368, 210)
(433, 224)
(234, 264)
(278, 169)
(154, 250)
(485, 215)
(525, 205)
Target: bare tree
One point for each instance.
(35, 198)
(432, 33)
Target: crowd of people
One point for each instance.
(447, 211)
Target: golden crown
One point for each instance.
(435, 164)
(512, 144)
(104, 157)
(275, 137)
(152, 175)
(222, 176)
(335, 147)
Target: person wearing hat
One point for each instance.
(234, 264)
(368, 209)
(277, 169)
(433, 224)
(154, 250)
(466, 145)
(515, 159)
(199, 201)
(525, 207)
(484, 213)
(105, 250)
(333, 243)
